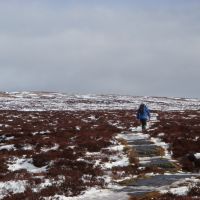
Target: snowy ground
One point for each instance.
(35, 101)
(48, 146)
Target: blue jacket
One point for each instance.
(145, 115)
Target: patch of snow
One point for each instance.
(55, 147)
(44, 132)
(151, 174)
(161, 134)
(181, 187)
(92, 117)
(85, 120)
(180, 191)
(71, 147)
(119, 162)
(41, 132)
(192, 116)
(12, 187)
(196, 138)
(197, 155)
(94, 194)
(47, 183)
(132, 136)
(4, 138)
(7, 147)
(141, 168)
(35, 133)
(92, 153)
(116, 148)
(22, 163)
(28, 147)
(136, 129)
(120, 127)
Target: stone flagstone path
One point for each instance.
(152, 153)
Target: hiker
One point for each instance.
(143, 115)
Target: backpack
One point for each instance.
(141, 109)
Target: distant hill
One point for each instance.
(43, 101)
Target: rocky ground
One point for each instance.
(56, 146)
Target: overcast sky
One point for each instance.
(101, 46)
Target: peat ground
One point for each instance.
(56, 144)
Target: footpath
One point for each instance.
(153, 154)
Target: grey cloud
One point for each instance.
(98, 49)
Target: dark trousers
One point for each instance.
(144, 124)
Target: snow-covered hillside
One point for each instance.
(59, 146)
(38, 101)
